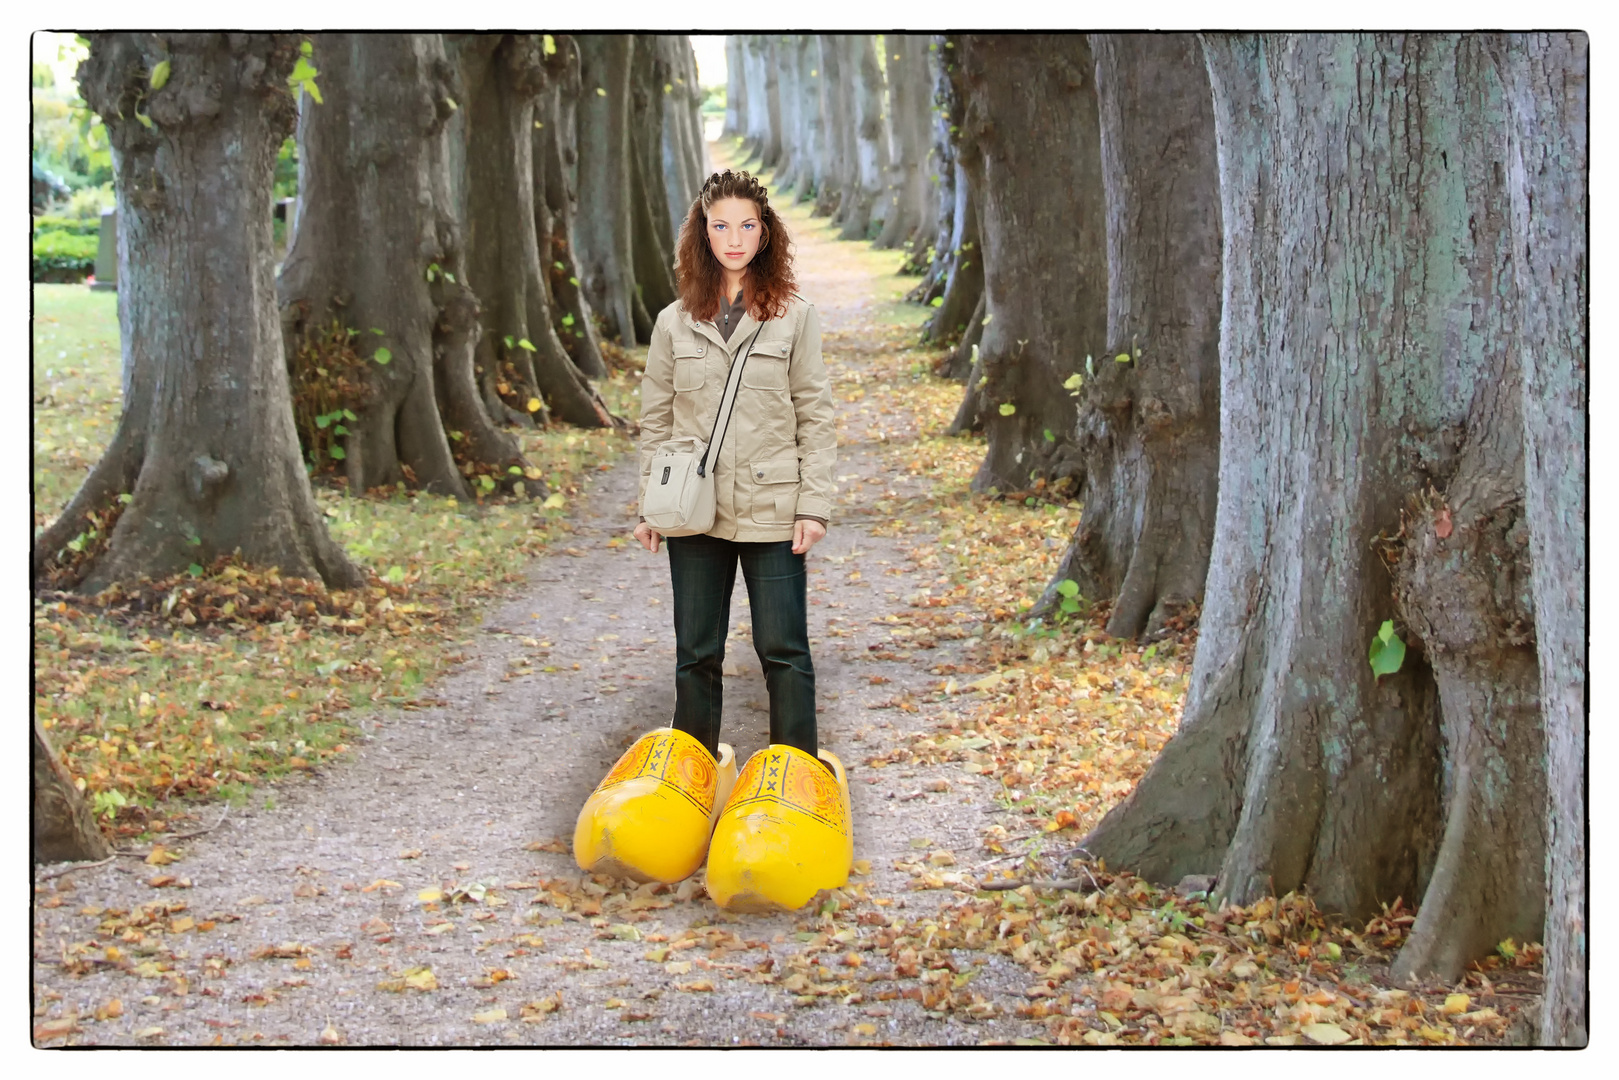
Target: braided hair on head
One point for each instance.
(768, 281)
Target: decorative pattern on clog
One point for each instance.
(801, 782)
(675, 758)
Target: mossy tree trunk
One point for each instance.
(1149, 431)
(1365, 348)
(1041, 220)
(378, 249)
(206, 446)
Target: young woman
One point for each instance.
(780, 830)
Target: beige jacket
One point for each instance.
(775, 461)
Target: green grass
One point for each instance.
(162, 713)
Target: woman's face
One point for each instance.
(734, 232)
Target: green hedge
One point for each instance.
(77, 226)
(61, 256)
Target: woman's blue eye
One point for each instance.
(749, 225)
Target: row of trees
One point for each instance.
(1300, 319)
(475, 212)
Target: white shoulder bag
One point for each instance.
(679, 499)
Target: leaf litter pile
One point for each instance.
(1057, 720)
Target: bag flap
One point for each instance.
(780, 471)
(683, 445)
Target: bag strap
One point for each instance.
(727, 404)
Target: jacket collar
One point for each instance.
(744, 330)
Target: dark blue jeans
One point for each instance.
(703, 569)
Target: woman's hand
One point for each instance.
(806, 532)
(648, 536)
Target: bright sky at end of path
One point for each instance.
(710, 50)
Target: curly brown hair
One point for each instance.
(769, 279)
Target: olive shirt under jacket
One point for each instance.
(775, 461)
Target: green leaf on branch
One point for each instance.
(486, 482)
(339, 453)
(382, 356)
(432, 271)
(349, 416)
(1068, 588)
(126, 498)
(394, 576)
(450, 101)
(525, 343)
(550, 44)
(160, 74)
(323, 421)
(574, 282)
(307, 49)
(1007, 408)
(1388, 651)
(509, 340)
(146, 121)
(303, 77)
(937, 301)
(1122, 358)
(567, 320)
(1049, 436)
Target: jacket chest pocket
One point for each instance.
(766, 368)
(691, 363)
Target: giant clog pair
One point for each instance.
(774, 835)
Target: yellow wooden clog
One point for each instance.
(651, 816)
(785, 833)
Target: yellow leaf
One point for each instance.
(489, 1016)
(534, 404)
(161, 856)
(1456, 1003)
(382, 883)
(866, 1030)
(430, 895)
(678, 967)
(148, 1032)
(696, 986)
(440, 928)
(1325, 1034)
(554, 502)
(861, 867)
(112, 1010)
(421, 978)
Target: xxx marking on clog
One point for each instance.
(801, 783)
(679, 762)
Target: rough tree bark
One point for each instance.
(502, 76)
(907, 134)
(945, 118)
(1149, 433)
(652, 232)
(1546, 78)
(683, 144)
(374, 215)
(602, 228)
(1363, 354)
(961, 261)
(556, 160)
(837, 117)
(206, 444)
(1042, 224)
(870, 141)
(64, 828)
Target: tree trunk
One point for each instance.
(806, 54)
(206, 444)
(603, 226)
(788, 99)
(1149, 433)
(556, 160)
(736, 93)
(836, 120)
(769, 66)
(946, 120)
(1546, 78)
(907, 133)
(65, 830)
(683, 144)
(962, 262)
(1363, 356)
(502, 76)
(652, 233)
(870, 142)
(1042, 223)
(374, 218)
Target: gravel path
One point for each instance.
(306, 923)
